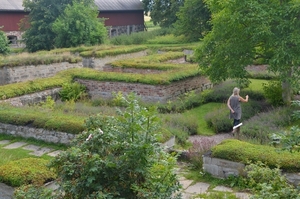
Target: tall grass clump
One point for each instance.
(137, 38)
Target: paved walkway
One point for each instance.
(190, 189)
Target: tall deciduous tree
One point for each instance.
(163, 12)
(79, 25)
(193, 20)
(39, 35)
(240, 27)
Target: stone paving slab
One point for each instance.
(54, 153)
(223, 189)
(185, 183)
(41, 151)
(4, 142)
(197, 188)
(31, 147)
(241, 195)
(15, 145)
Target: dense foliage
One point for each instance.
(240, 27)
(4, 47)
(79, 25)
(118, 157)
(162, 12)
(39, 34)
(193, 20)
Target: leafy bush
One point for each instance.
(26, 171)
(260, 126)
(273, 93)
(240, 151)
(118, 157)
(4, 47)
(33, 192)
(268, 183)
(72, 92)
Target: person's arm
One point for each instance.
(244, 100)
(228, 104)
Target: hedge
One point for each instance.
(26, 171)
(244, 152)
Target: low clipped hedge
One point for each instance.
(113, 51)
(26, 171)
(244, 152)
(37, 58)
(41, 119)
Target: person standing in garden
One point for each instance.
(234, 104)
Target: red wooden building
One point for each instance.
(122, 16)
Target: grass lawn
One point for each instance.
(200, 113)
(257, 84)
(8, 155)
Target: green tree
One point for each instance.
(39, 35)
(193, 20)
(4, 47)
(79, 25)
(240, 28)
(163, 12)
(118, 157)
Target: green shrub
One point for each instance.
(268, 183)
(240, 151)
(4, 47)
(33, 192)
(273, 93)
(26, 171)
(72, 92)
(118, 157)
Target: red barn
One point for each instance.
(122, 16)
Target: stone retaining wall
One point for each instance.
(33, 98)
(37, 133)
(223, 168)
(147, 93)
(9, 75)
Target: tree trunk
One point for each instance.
(287, 89)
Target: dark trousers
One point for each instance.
(236, 122)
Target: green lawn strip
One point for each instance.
(200, 113)
(257, 84)
(40, 143)
(8, 155)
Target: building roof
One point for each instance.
(103, 5)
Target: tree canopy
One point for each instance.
(245, 29)
(4, 47)
(79, 25)
(193, 20)
(42, 14)
(162, 12)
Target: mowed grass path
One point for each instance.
(200, 113)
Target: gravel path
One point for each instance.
(214, 138)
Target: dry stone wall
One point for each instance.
(9, 75)
(147, 93)
(37, 133)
